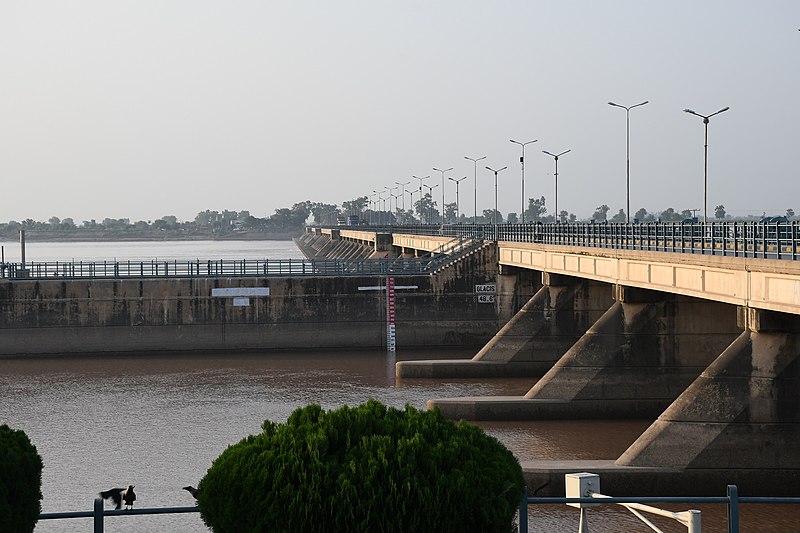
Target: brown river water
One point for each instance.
(157, 421)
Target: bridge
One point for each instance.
(694, 326)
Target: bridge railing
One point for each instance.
(771, 240)
(732, 500)
(215, 268)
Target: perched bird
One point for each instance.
(118, 495)
(193, 491)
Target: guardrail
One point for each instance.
(778, 240)
(453, 249)
(98, 513)
(732, 500)
(218, 268)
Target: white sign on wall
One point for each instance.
(236, 292)
(486, 298)
(489, 288)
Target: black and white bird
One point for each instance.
(120, 495)
(193, 491)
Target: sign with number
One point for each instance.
(489, 288)
(486, 298)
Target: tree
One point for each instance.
(324, 213)
(719, 211)
(601, 213)
(512, 218)
(54, 221)
(790, 213)
(620, 216)
(491, 216)
(355, 207)
(365, 468)
(426, 209)
(20, 481)
(536, 209)
(562, 216)
(450, 212)
(641, 215)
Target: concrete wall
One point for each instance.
(65, 316)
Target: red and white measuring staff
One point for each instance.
(390, 288)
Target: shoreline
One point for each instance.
(116, 238)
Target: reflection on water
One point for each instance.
(158, 421)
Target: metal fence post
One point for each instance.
(523, 511)
(98, 515)
(733, 509)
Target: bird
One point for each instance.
(118, 495)
(193, 491)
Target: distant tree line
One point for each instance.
(285, 223)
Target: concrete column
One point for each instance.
(539, 333)
(739, 421)
(384, 242)
(643, 352)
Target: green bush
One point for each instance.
(366, 468)
(20, 481)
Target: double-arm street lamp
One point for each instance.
(420, 189)
(475, 183)
(457, 181)
(495, 194)
(705, 158)
(628, 152)
(522, 162)
(556, 156)
(403, 194)
(443, 171)
(430, 203)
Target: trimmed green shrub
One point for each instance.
(20, 481)
(366, 468)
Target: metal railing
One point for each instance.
(99, 513)
(452, 250)
(732, 500)
(778, 240)
(218, 268)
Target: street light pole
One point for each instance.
(705, 158)
(457, 181)
(522, 162)
(443, 171)
(628, 152)
(475, 184)
(556, 156)
(430, 205)
(495, 195)
(403, 185)
(420, 190)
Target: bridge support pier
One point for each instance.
(632, 363)
(737, 423)
(534, 338)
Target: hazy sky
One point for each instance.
(145, 108)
